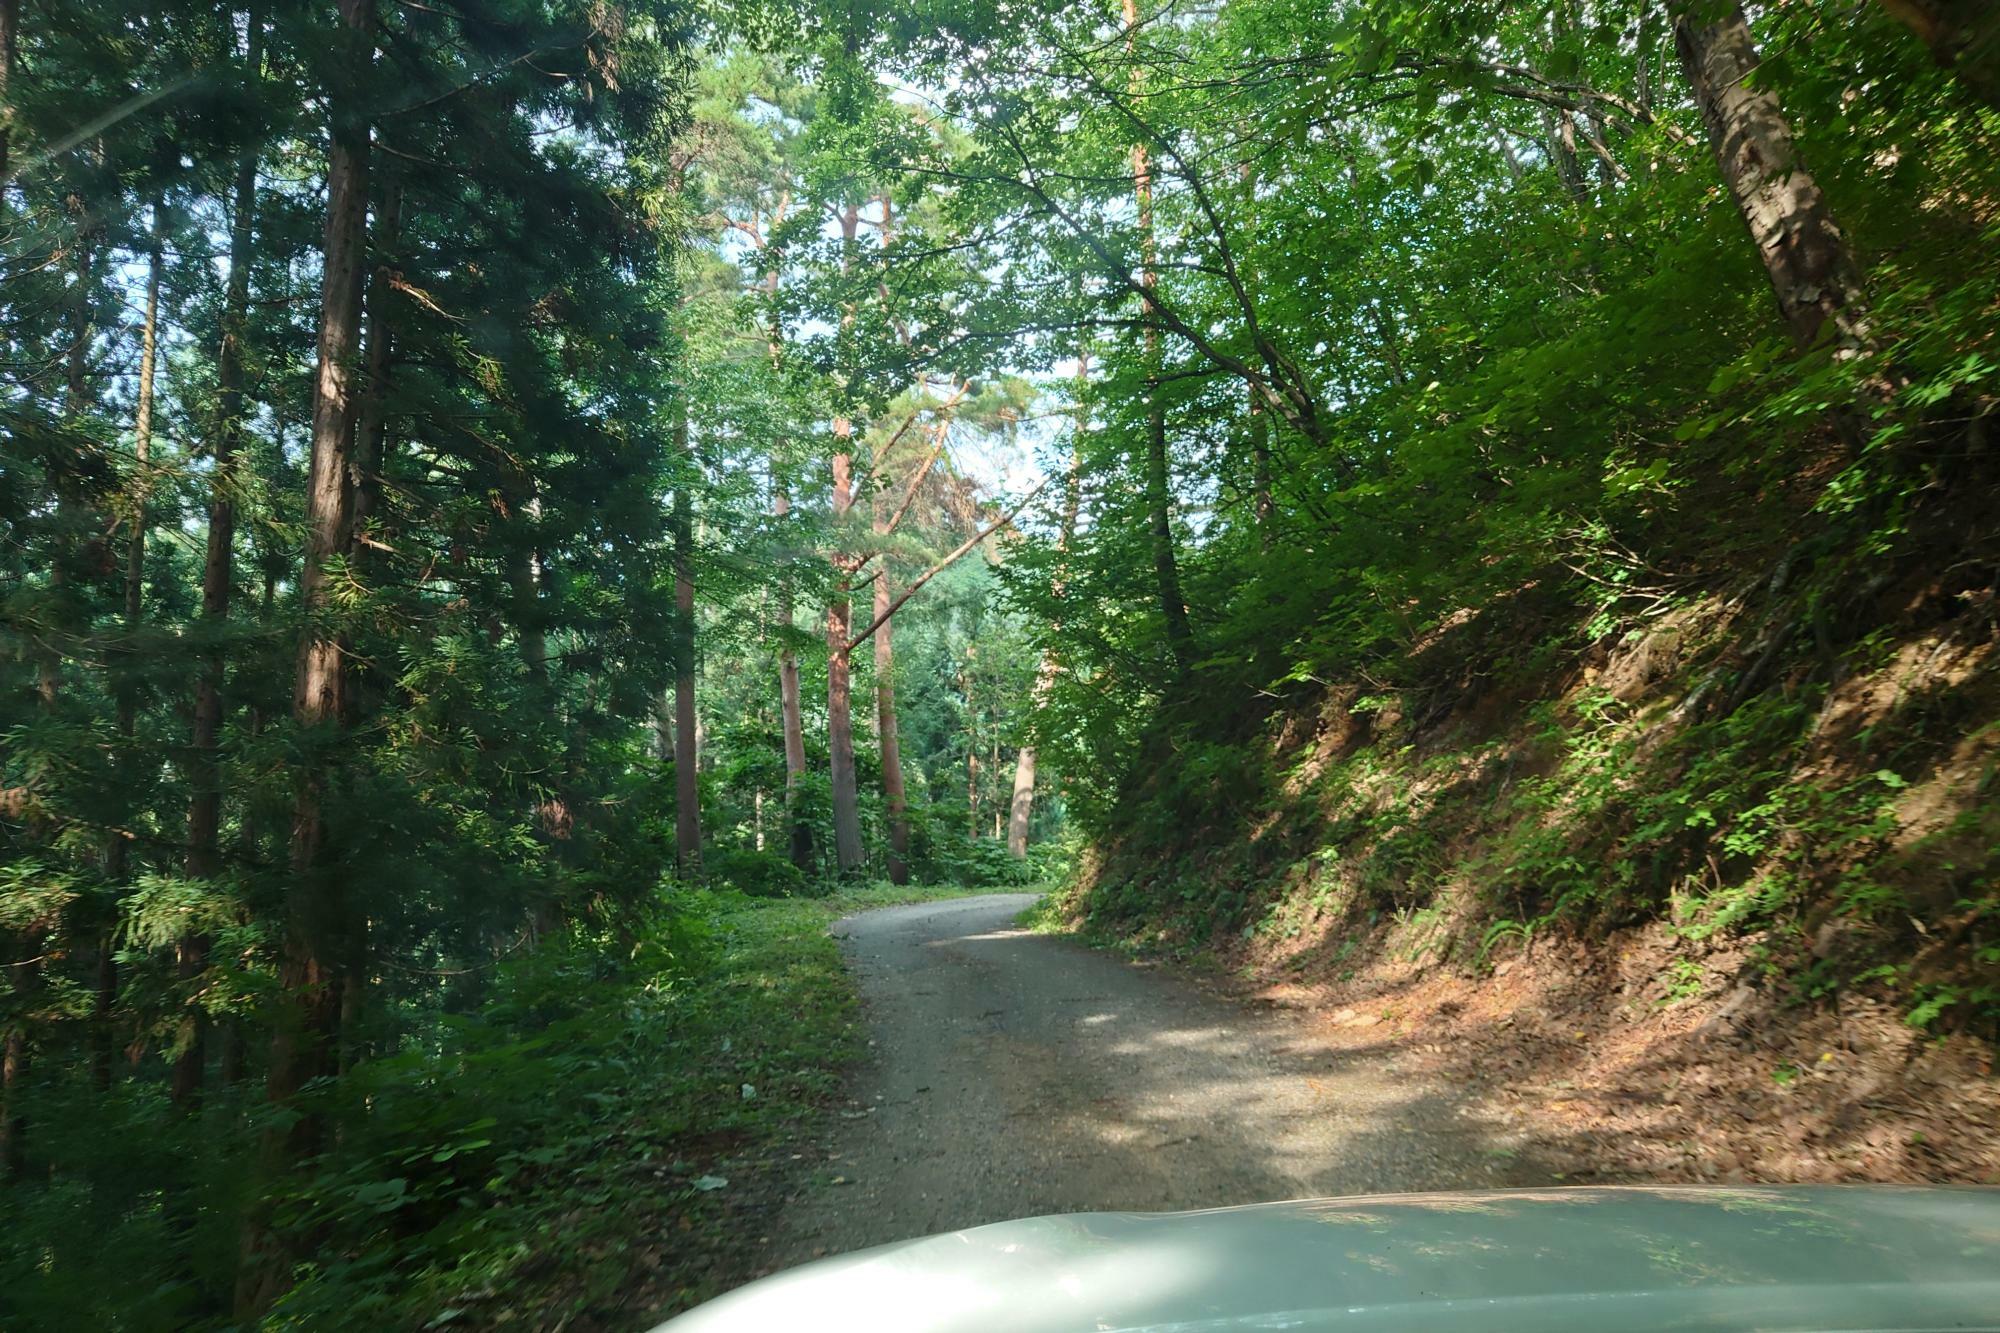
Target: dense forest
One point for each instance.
(484, 484)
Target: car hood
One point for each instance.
(1820, 1259)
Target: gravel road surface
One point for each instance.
(1013, 1074)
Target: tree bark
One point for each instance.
(847, 849)
(371, 443)
(1559, 127)
(687, 779)
(10, 44)
(118, 847)
(848, 852)
(1156, 472)
(24, 976)
(1023, 805)
(321, 696)
(1024, 795)
(893, 791)
(217, 573)
(312, 956)
(791, 720)
(141, 495)
(76, 401)
(1258, 417)
(972, 783)
(1811, 269)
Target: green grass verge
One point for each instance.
(606, 1143)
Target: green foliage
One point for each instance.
(503, 1164)
(1535, 578)
(758, 874)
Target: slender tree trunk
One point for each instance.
(1022, 808)
(1257, 412)
(972, 785)
(118, 847)
(1024, 791)
(142, 458)
(76, 402)
(321, 697)
(791, 720)
(894, 792)
(24, 977)
(1157, 475)
(311, 955)
(1159, 508)
(1811, 269)
(1262, 506)
(885, 723)
(10, 43)
(847, 849)
(371, 435)
(687, 778)
(1559, 128)
(1646, 40)
(204, 859)
(527, 598)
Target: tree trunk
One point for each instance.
(24, 976)
(885, 724)
(118, 847)
(1257, 413)
(1024, 796)
(687, 779)
(1159, 506)
(1559, 128)
(142, 458)
(791, 719)
(10, 43)
(1158, 487)
(1262, 508)
(1963, 37)
(1811, 270)
(321, 695)
(848, 852)
(526, 595)
(847, 849)
(1023, 805)
(973, 769)
(371, 435)
(311, 957)
(204, 859)
(76, 400)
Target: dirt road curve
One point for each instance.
(1014, 1074)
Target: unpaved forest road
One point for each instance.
(1014, 1074)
